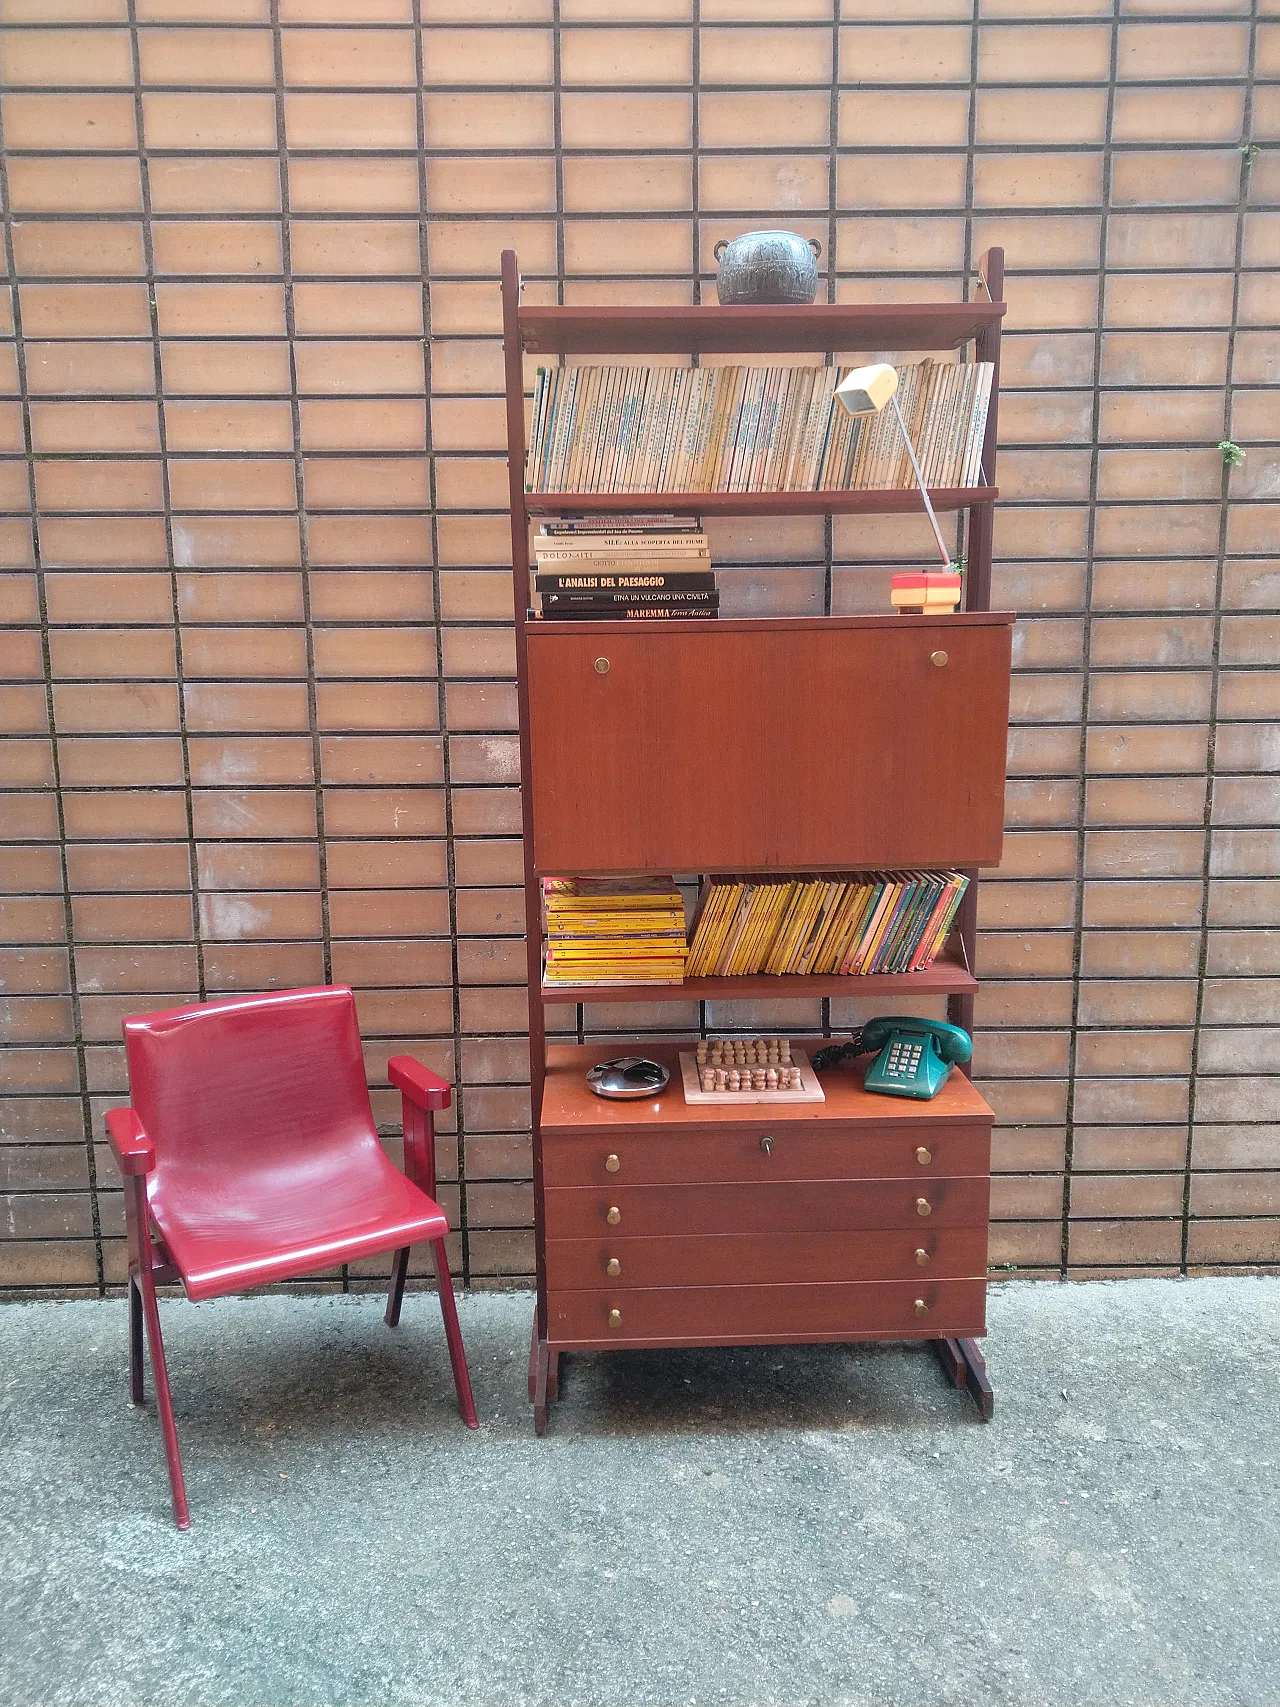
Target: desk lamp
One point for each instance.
(865, 391)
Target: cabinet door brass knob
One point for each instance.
(613, 1267)
(923, 1156)
(922, 1309)
(602, 665)
(939, 659)
(615, 1318)
(922, 1258)
(611, 1164)
(613, 1216)
(766, 1144)
(923, 1206)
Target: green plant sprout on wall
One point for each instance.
(1250, 151)
(1232, 454)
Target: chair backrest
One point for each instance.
(252, 1082)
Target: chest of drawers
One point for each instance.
(861, 1218)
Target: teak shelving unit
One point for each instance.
(882, 739)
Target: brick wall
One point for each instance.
(258, 711)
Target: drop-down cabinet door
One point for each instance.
(789, 744)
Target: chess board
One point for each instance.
(807, 1090)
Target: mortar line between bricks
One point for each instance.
(437, 612)
(55, 760)
(1215, 674)
(1091, 534)
(166, 497)
(300, 502)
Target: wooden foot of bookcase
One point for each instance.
(544, 1378)
(967, 1368)
(963, 1363)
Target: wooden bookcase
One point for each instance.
(657, 1224)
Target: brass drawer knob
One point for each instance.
(613, 1267)
(922, 1309)
(939, 659)
(602, 666)
(923, 1206)
(611, 1164)
(922, 1257)
(766, 1144)
(613, 1215)
(923, 1156)
(615, 1318)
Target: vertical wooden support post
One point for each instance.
(977, 581)
(513, 358)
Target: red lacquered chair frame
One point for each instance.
(423, 1093)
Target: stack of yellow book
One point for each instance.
(886, 921)
(613, 930)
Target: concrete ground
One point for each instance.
(828, 1525)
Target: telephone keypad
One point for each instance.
(904, 1060)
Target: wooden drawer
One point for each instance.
(654, 1157)
(774, 796)
(831, 1206)
(739, 1259)
(745, 1315)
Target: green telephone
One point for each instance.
(915, 1055)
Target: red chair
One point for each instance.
(250, 1155)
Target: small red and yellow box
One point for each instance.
(925, 594)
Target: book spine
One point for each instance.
(610, 601)
(538, 471)
(689, 547)
(562, 577)
(577, 526)
(540, 388)
(974, 472)
(636, 613)
(727, 401)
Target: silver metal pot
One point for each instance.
(767, 266)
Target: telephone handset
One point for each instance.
(914, 1055)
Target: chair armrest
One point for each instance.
(135, 1152)
(423, 1087)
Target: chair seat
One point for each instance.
(228, 1236)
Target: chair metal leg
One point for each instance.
(164, 1404)
(137, 1389)
(453, 1333)
(395, 1296)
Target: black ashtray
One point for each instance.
(627, 1076)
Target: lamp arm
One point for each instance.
(924, 491)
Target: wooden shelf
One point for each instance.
(718, 626)
(824, 326)
(879, 503)
(946, 977)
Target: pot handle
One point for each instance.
(815, 246)
(720, 248)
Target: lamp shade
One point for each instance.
(866, 390)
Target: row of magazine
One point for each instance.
(750, 429)
(888, 921)
(613, 930)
